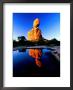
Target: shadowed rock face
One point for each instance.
(35, 33)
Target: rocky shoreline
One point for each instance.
(55, 50)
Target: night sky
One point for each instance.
(49, 24)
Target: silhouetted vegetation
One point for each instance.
(15, 43)
(21, 38)
(23, 42)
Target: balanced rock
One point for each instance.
(35, 33)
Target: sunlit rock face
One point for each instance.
(36, 53)
(35, 33)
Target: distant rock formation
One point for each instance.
(35, 33)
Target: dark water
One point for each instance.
(35, 63)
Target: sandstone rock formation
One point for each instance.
(35, 33)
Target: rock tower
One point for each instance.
(35, 33)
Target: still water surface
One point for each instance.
(35, 63)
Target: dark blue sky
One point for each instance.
(49, 24)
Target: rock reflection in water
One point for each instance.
(35, 63)
(36, 53)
